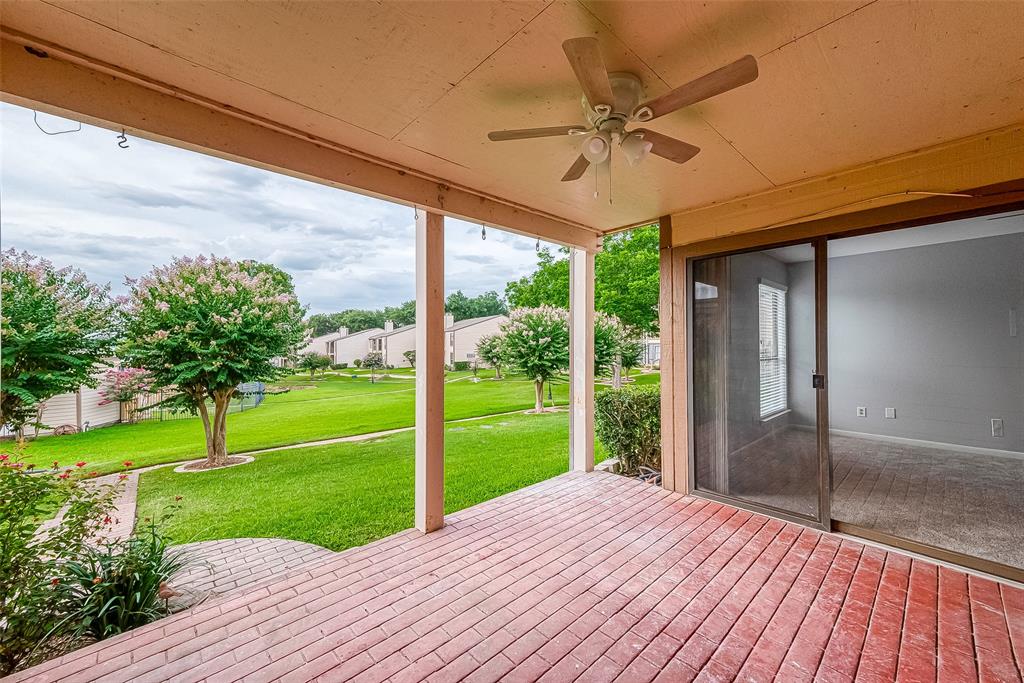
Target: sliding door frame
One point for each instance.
(823, 518)
(819, 233)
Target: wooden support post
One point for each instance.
(673, 363)
(581, 360)
(429, 370)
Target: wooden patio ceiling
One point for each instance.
(588, 577)
(417, 85)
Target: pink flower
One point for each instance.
(4, 457)
(163, 306)
(64, 475)
(127, 463)
(80, 463)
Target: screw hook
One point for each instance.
(122, 140)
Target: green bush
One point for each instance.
(339, 366)
(116, 585)
(461, 365)
(357, 362)
(628, 423)
(32, 611)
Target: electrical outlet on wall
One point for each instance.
(997, 426)
(890, 413)
(862, 411)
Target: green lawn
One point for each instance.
(345, 495)
(329, 406)
(334, 405)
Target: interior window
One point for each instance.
(772, 348)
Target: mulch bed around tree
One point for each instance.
(200, 465)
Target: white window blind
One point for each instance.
(772, 348)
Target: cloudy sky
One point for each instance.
(78, 199)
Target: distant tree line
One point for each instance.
(458, 304)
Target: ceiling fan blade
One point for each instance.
(578, 168)
(526, 133)
(585, 59)
(740, 72)
(669, 148)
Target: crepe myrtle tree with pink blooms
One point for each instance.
(536, 341)
(202, 326)
(56, 328)
(123, 386)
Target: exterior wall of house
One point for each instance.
(460, 345)
(319, 344)
(95, 414)
(59, 410)
(63, 410)
(355, 345)
(395, 346)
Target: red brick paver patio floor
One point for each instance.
(589, 577)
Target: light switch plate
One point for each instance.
(890, 413)
(862, 411)
(997, 426)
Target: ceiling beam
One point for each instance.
(69, 84)
(944, 170)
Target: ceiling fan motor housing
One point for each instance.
(628, 91)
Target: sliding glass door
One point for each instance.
(758, 398)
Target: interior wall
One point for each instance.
(925, 330)
(744, 372)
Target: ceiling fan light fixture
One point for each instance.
(597, 147)
(635, 148)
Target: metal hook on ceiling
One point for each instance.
(483, 232)
(122, 140)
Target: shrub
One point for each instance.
(35, 624)
(313, 362)
(358, 362)
(628, 423)
(411, 357)
(339, 366)
(124, 386)
(116, 586)
(461, 365)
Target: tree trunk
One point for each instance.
(221, 401)
(497, 372)
(538, 391)
(216, 429)
(617, 376)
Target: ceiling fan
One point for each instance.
(611, 101)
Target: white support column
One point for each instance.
(429, 370)
(581, 360)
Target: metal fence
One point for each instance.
(250, 395)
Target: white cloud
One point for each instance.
(79, 199)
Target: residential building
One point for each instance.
(393, 343)
(342, 346)
(462, 337)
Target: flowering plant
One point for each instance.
(374, 360)
(609, 336)
(536, 340)
(124, 386)
(32, 557)
(491, 350)
(205, 325)
(55, 328)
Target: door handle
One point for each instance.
(818, 381)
